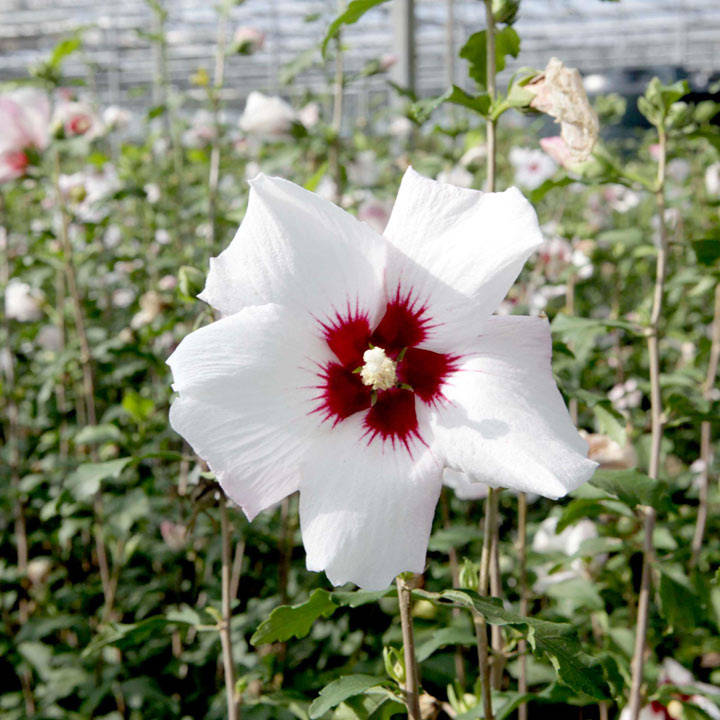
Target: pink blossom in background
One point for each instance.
(558, 150)
(24, 125)
(78, 118)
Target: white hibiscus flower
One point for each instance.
(282, 395)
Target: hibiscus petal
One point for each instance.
(366, 510)
(457, 251)
(298, 250)
(506, 424)
(246, 389)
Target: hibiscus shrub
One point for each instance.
(170, 382)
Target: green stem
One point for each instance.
(412, 696)
(225, 632)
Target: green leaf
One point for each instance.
(316, 177)
(84, 482)
(441, 638)
(707, 251)
(611, 423)
(679, 604)
(62, 50)
(453, 537)
(97, 434)
(568, 324)
(341, 689)
(507, 42)
(558, 642)
(138, 407)
(354, 11)
(421, 110)
(631, 487)
(289, 621)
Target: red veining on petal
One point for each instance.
(403, 325)
(343, 393)
(393, 417)
(348, 337)
(425, 372)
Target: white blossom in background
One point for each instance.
(559, 92)
(116, 118)
(77, 118)
(162, 236)
(474, 156)
(152, 193)
(625, 395)
(22, 302)
(49, 338)
(282, 394)
(620, 198)
(24, 125)
(84, 191)
(401, 127)
(541, 296)
(456, 175)
(567, 542)
(247, 40)
(712, 179)
(309, 115)
(532, 167)
(554, 257)
(202, 130)
(123, 297)
(673, 673)
(266, 117)
(363, 171)
(678, 169)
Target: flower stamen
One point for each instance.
(379, 371)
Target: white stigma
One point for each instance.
(379, 370)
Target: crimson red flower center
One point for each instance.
(390, 413)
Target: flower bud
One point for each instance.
(394, 664)
(469, 576)
(505, 11)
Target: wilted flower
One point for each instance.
(25, 125)
(608, 454)
(559, 92)
(266, 116)
(247, 40)
(532, 167)
(353, 367)
(151, 305)
(22, 302)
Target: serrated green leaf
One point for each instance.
(556, 641)
(289, 621)
(631, 487)
(341, 689)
